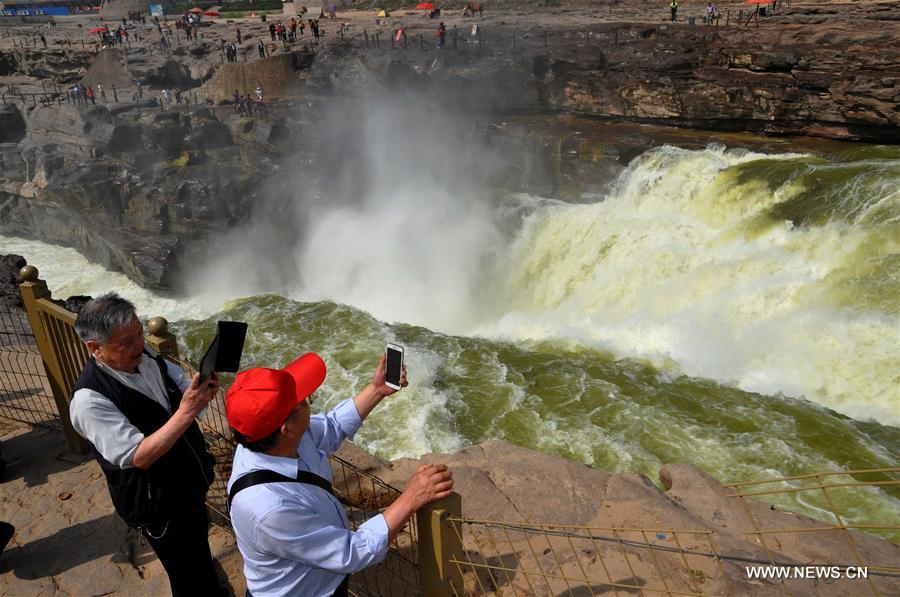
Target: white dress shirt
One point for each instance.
(294, 537)
(98, 420)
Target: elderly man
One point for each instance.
(290, 528)
(139, 413)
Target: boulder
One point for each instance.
(210, 135)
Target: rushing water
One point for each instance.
(733, 310)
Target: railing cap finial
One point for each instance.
(158, 326)
(29, 273)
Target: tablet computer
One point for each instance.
(208, 362)
(224, 353)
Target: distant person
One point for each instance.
(165, 94)
(138, 411)
(710, 13)
(261, 48)
(454, 36)
(90, 95)
(272, 31)
(44, 41)
(480, 8)
(332, 11)
(237, 31)
(259, 93)
(441, 35)
(291, 530)
(673, 5)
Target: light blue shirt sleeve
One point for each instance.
(298, 534)
(329, 430)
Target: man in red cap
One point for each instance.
(291, 530)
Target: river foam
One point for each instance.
(771, 274)
(683, 263)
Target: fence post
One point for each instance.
(161, 339)
(32, 289)
(440, 541)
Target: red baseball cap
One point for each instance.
(259, 400)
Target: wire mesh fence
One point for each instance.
(503, 558)
(528, 558)
(364, 496)
(824, 491)
(25, 393)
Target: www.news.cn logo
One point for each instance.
(806, 572)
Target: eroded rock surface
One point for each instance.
(142, 190)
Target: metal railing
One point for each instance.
(818, 489)
(25, 394)
(527, 558)
(542, 559)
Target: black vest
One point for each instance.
(181, 476)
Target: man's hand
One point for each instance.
(375, 391)
(194, 400)
(378, 378)
(198, 395)
(430, 483)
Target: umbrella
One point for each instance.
(426, 6)
(195, 10)
(212, 13)
(99, 30)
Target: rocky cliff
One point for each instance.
(138, 189)
(128, 191)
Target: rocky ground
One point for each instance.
(142, 190)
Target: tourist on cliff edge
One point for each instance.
(291, 529)
(139, 412)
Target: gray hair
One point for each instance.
(102, 315)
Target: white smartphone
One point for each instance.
(394, 366)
